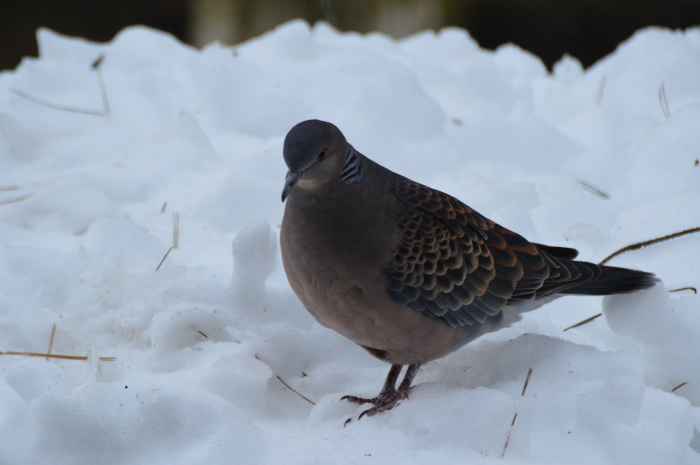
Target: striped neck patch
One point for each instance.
(352, 171)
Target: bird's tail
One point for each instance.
(613, 280)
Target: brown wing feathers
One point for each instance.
(459, 267)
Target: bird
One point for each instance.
(406, 271)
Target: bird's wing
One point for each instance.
(459, 267)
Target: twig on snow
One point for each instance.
(295, 391)
(103, 92)
(664, 101)
(581, 323)
(642, 244)
(96, 66)
(15, 199)
(679, 386)
(164, 257)
(176, 229)
(527, 380)
(593, 189)
(53, 333)
(65, 357)
(684, 289)
(515, 415)
(601, 87)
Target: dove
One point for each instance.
(407, 272)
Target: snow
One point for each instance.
(203, 342)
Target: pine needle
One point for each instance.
(684, 289)
(515, 415)
(581, 323)
(164, 257)
(643, 244)
(53, 333)
(16, 199)
(679, 386)
(64, 357)
(295, 391)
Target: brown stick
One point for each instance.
(65, 357)
(593, 189)
(56, 106)
(679, 386)
(296, 392)
(176, 229)
(16, 199)
(684, 289)
(587, 320)
(527, 380)
(53, 333)
(164, 257)
(663, 101)
(601, 87)
(515, 416)
(642, 244)
(96, 66)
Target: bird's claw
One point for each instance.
(381, 403)
(358, 400)
(390, 396)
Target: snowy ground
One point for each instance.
(200, 342)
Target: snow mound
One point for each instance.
(216, 361)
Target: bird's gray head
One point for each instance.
(314, 152)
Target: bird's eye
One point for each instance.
(322, 155)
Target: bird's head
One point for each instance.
(314, 152)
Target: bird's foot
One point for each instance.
(390, 396)
(385, 401)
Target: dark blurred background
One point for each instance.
(586, 29)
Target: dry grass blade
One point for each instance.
(16, 199)
(527, 380)
(505, 446)
(640, 245)
(53, 333)
(64, 357)
(295, 391)
(56, 106)
(103, 92)
(9, 188)
(679, 386)
(164, 257)
(593, 189)
(684, 289)
(98, 61)
(165, 204)
(176, 229)
(581, 323)
(663, 101)
(515, 415)
(601, 87)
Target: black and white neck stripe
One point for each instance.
(352, 171)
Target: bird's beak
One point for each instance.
(290, 180)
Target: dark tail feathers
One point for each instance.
(613, 280)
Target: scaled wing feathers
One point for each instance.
(460, 268)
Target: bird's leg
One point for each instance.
(390, 396)
(405, 386)
(388, 389)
